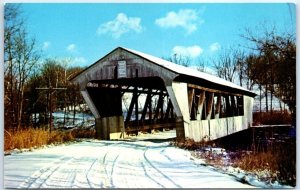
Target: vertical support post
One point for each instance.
(159, 106)
(150, 108)
(228, 107)
(136, 106)
(129, 113)
(191, 93)
(162, 106)
(200, 104)
(169, 109)
(147, 105)
(233, 106)
(210, 105)
(218, 107)
(136, 103)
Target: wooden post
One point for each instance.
(136, 102)
(169, 109)
(159, 105)
(191, 93)
(233, 106)
(128, 116)
(228, 107)
(147, 105)
(200, 104)
(150, 109)
(218, 106)
(210, 105)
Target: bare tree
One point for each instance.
(20, 60)
(179, 59)
(229, 65)
(275, 55)
(201, 65)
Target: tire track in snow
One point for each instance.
(108, 181)
(149, 176)
(112, 171)
(41, 176)
(159, 171)
(87, 174)
(162, 152)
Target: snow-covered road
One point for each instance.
(111, 164)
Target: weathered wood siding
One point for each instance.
(215, 128)
(105, 69)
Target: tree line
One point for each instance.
(270, 65)
(25, 72)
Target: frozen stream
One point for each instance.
(135, 163)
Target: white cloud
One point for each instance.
(71, 47)
(120, 25)
(191, 51)
(215, 47)
(46, 45)
(185, 18)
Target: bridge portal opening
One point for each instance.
(131, 105)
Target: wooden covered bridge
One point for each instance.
(162, 95)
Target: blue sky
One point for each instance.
(86, 32)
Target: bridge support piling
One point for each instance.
(108, 127)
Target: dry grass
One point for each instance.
(34, 138)
(280, 159)
(190, 144)
(266, 118)
(83, 133)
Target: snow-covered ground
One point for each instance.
(133, 163)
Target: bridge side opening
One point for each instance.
(212, 111)
(205, 105)
(215, 113)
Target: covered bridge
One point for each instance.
(197, 104)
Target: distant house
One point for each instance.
(197, 104)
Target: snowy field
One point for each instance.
(133, 163)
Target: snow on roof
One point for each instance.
(185, 70)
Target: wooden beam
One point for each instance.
(147, 105)
(200, 104)
(130, 109)
(212, 90)
(210, 105)
(228, 107)
(136, 102)
(125, 89)
(191, 93)
(162, 107)
(218, 107)
(159, 106)
(233, 106)
(169, 109)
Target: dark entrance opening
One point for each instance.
(127, 106)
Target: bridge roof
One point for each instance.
(181, 70)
